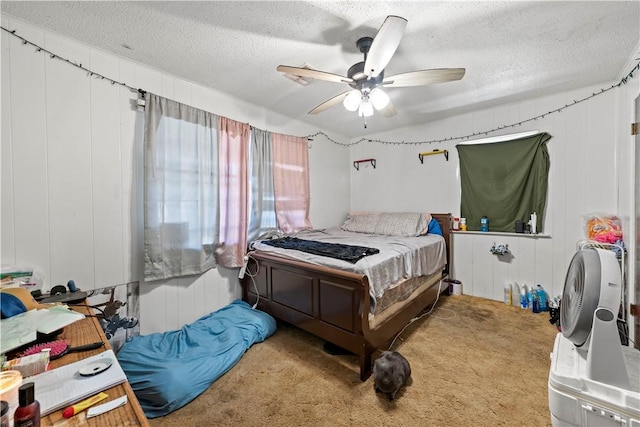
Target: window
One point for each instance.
(181, 217)
(505, 181)
(212, 184)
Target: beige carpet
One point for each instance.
(475, 362)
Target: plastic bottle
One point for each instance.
(484, 224)
(463, 224)
(530, 298)
(507, 293)
(28, 411)
(542, 298)
(535, 302)
(515, 294)
(534, 223)
(524, 302)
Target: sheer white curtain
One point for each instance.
(181, 220)
(262, 198)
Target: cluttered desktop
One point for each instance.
(58, 364)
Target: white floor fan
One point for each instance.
(589, 313)
(593, 378)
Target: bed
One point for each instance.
(336, 301)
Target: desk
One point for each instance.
(87, 331)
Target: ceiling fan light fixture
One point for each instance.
(364, 77)
(352, 100)
(365, 109)
(378, 98)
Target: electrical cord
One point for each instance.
(251, 276)
(626, 334)
(446, 318)
(418, 317)
(90, 306)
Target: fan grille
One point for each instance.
(580, 296)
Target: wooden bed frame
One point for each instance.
(330, 303)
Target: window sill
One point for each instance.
(496, 233)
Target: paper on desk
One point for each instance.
(17, 331)
(63, 386)
(106, 407)
(57, 317)
(23, 328)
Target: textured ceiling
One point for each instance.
(511, 49)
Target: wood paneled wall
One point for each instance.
(590, 153)
(72, 164)
(69, 163)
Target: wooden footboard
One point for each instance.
(329, 303)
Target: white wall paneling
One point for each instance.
(106, 171)
(29, 204)
(72, 170)
(69, 178)
(584, 150)
(7, 236)
(484, 274)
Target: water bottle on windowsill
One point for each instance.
(484, 224)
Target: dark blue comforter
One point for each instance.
(168, 370)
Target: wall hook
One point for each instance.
(421, 156)
(356, 164)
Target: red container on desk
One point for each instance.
(28, 411)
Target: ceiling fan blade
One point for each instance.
(330, 103)
(424, 77)
(389, 110)
(314, 74)
(384, 45)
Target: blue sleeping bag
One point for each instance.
(168, 370)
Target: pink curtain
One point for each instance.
(234, 140)
(291, 182)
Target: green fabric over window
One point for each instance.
(504, 181)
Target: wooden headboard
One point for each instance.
(446, 224)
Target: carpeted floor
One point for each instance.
(474, 362)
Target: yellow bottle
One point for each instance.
(463, 224)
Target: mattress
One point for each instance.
(395, 299)
(400, 258)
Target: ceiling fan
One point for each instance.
(367, 78)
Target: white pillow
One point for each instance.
(388, 223)
(361, 222)
(402, 224)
